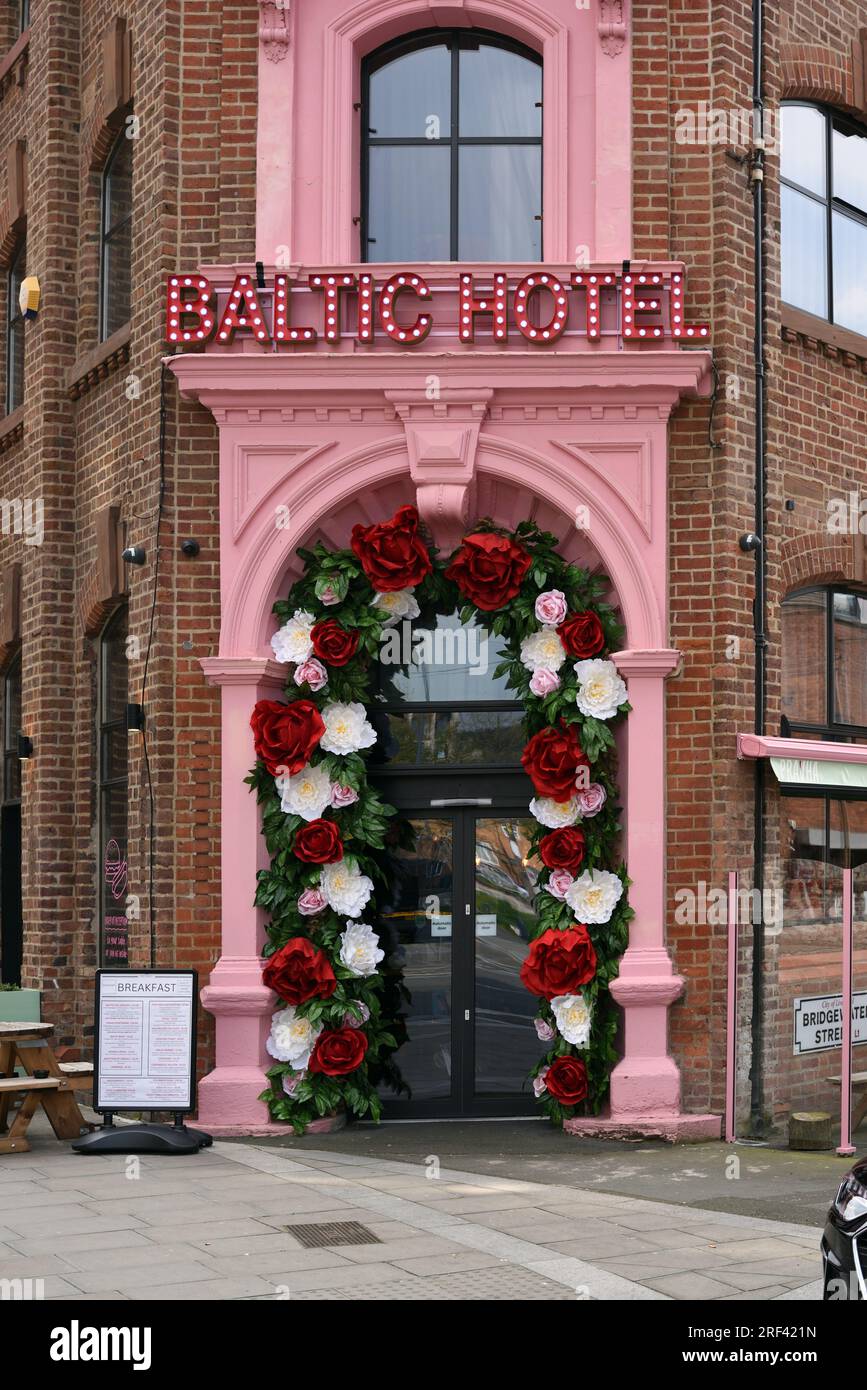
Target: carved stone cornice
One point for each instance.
(613, 29)
(274, 28)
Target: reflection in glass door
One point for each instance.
(505, 1041)
(457, 923)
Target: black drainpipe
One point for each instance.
(757, 1087)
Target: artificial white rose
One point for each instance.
(292, 1039)
(399, 604)
(543, 651)
(306, 794)
(594, 895)
(346, 728)
(347, 890)
(600, 689)
(293, 641)
(573, 1018)
(555, 814)
(359, 949)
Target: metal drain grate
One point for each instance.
(333, 1233)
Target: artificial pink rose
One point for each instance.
(329, 596)
(559, 883)
(311, 902)
(539, 1087)
(544, 1031)
(543, 682)
(350, 1020)
(551, 608)
(291, 1083)
(342, 796)
(311, 673)
(591, 800)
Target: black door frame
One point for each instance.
(462, 796)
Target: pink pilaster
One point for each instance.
(241, 1004)
(645, 1084)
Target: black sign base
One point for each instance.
(143, 1139)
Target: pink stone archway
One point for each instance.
(589, 440)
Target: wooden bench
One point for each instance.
(859, 1104)
(15, 1141)
(79, 1074)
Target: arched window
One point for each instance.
(823, 169)
(15, 331)
(112, 694)
(116, 239)
(452, 150)
(824, 647)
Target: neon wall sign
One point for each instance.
(537, 307)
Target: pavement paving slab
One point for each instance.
(509, 1212)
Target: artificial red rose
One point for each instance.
(566, 1080)
(392, 553)
(582, 635)
(563, 849)
(300, 971)
(318, 842)
(489, 569)
(332, 643)
(559, 962)
(286, 735)
(551, 760)
(338, 1051)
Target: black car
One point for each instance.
(844, 1244)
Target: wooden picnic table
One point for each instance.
(27, 1045)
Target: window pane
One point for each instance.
(475, 738)
(452, 661)
(806, 891)
(409, 204)
(850, 287)
(118, 190)
(850, 659)
(500, 197)
(499, 92)
(115, 670)
(411, 96)
(850, 167)
(118, 281)
(114, 880)
(803, 641)
(15, 367)
(803, 241)
(803, 147)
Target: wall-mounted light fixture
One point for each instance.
(134, 555)
(25, 746)
(135, 718)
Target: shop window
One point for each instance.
(113, 789)
(824, 650)
(15, 331)
(116, 238)
(823, 170)
(452, 150)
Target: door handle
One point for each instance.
(464, 801)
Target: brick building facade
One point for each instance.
(120, 455)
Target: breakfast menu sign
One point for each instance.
(145, 1040)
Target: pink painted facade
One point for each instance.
(317, 438)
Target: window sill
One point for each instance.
(11, 429)
(797, 324)
(99, 363)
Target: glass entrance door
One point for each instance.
(457, 925)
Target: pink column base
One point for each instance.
(242, 1005)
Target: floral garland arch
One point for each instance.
(340, 1020)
